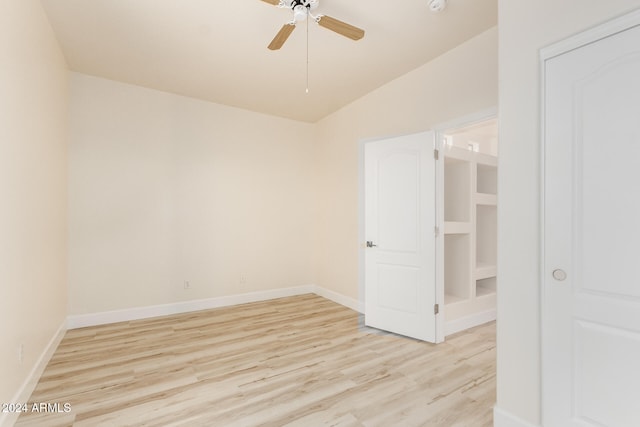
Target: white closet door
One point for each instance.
(399, 226)
(591, 274)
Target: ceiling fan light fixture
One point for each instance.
(300, 13)
(302, 10)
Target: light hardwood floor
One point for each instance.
(299, 361)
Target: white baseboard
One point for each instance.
(136, 313)
(453, 326)
(344, 300)
(505, 419)
(24, 392)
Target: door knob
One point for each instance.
(559, 275)
(370, 244)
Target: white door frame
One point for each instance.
(592, 35)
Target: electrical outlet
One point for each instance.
(243, 279)
(187, 285)
(20, 353)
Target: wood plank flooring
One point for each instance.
(299, 361)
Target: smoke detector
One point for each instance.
(437, 5)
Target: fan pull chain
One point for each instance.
(307, 53)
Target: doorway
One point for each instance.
(431, 197)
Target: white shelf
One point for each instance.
(456, 153)
(485, 287)
(456, 227)
(453, 299)
(482, 291)
(486, 159)
(485, 271)
(486, 199)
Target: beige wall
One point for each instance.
(33, 120)
(525, 27)
(165, 189)
(461, 82)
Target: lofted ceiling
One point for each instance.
(216, 50)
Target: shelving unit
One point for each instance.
(470, 226)
(457, 274)
(457, 190)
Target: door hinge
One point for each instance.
(436, 154)
(436, 309)
(436, 231)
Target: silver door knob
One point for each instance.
(559, 275)
(370, 244)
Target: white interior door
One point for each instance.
(399, 226)
(591, 274)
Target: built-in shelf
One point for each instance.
(486, 235)
(486, 199)
(470, 175)
(486, 160)
(457, 192)
(485, 287)
(456, 153)
(485, 271)
(457, 271)
(453, 299)
(487, 179)
(455, 227)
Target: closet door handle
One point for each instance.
(559, 275)
(370, 244)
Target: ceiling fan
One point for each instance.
(302, 9)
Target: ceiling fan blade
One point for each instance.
(273, 2)
(282, 36)
(347, 30)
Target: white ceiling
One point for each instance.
(216, 50)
